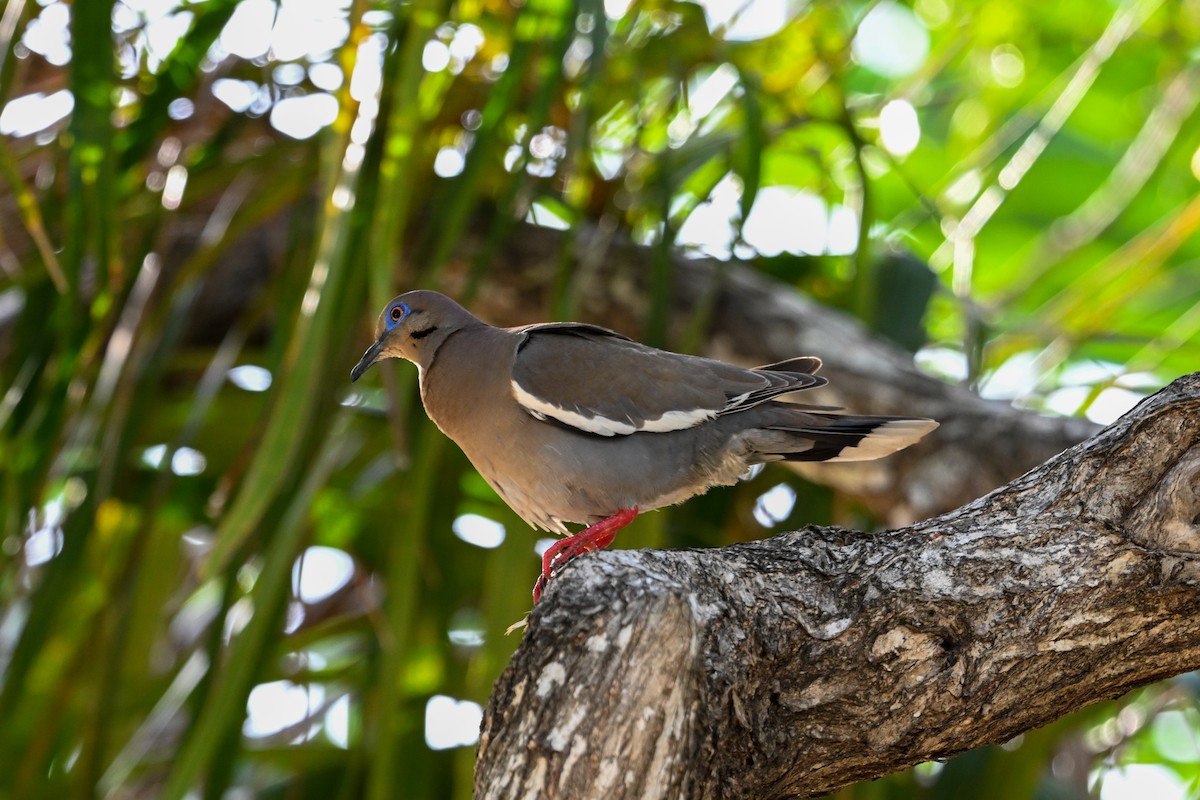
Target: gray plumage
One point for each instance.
(570, 423)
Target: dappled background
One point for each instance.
(224, 569)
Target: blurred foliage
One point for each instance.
(173, 480)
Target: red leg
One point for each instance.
(593, 537)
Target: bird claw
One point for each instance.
(539, 585)
(594, 537)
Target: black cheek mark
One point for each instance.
(424, 333)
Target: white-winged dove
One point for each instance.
(575, 423)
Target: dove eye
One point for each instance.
(398, 312)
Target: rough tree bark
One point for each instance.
(793, 666)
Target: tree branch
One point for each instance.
(795, 665)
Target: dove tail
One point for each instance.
(835, 437)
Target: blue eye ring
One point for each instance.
(396, 313)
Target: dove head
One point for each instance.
(413, 326)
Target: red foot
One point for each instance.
(593, 537)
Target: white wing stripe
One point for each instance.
(541, 409)
(734, 402)
(678, 420)
(602, 426)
